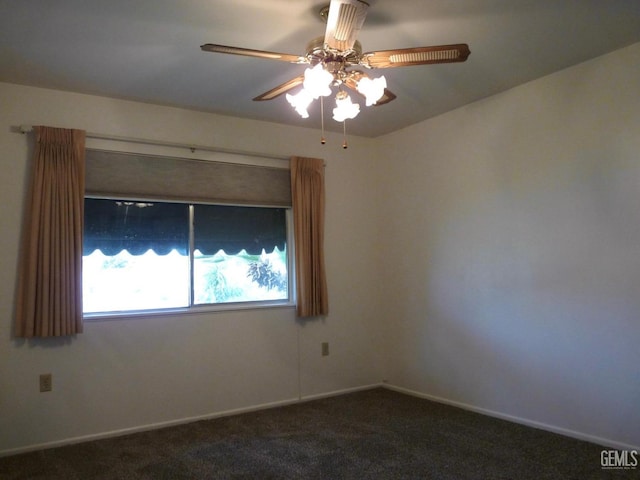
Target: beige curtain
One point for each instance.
(49, 299)
(307, 195)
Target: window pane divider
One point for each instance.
(192, 242)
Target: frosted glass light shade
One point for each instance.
(300, 101)
(373, 90)
(317, 81)
(345, 108)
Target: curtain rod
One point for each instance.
(99, 136)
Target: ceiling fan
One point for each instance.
(334, 59)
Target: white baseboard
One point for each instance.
(144, 428)
(307, 398)
(523, 421)
(182, 421)
(335, 393)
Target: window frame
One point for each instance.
(193, 308)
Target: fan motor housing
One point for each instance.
(318, 52)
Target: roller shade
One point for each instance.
(126, 175)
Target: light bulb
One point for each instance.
(373, 90)
(300, 101)
(317, 81)
(345, 108)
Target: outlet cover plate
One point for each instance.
(46, 382)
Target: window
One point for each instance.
(166, 232)
(148, 255)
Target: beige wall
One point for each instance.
(514, 286)
(132, 373)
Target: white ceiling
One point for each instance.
(148, 50)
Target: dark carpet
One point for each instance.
(373, 434)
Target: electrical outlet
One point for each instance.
(325, 349)
(46, 382)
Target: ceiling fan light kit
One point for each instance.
(332, 58)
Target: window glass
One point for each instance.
(138, 255)
(240, 254)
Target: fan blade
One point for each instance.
(345, 20)
(416, 56)
(386, 98)
(352, 82)
(284, 57)
(280, 89)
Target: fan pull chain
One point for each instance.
(344, 132)
(322, 139)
